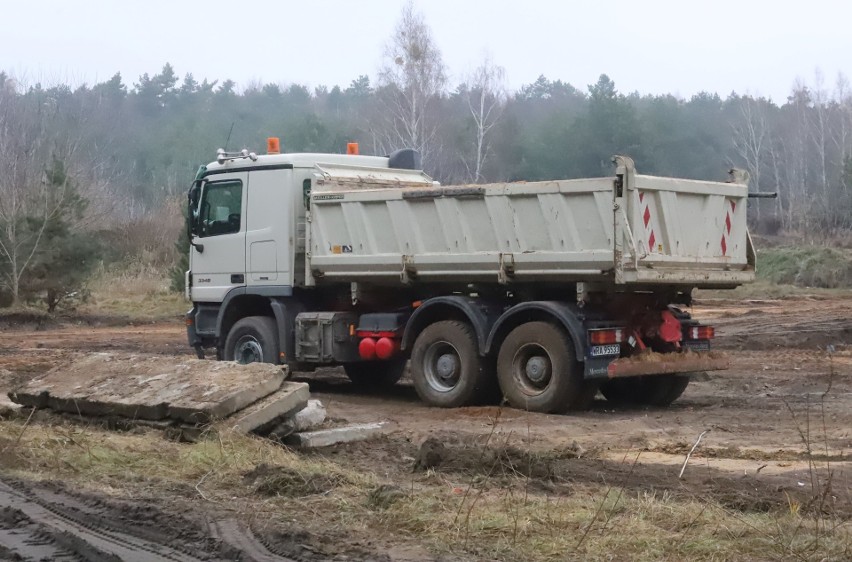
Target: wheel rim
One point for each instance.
(442, 366)
(248, 350)
(532, 369)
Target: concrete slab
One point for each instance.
(309, 417)
(150, 387)
(326, 437)
(286, 401)
(8, 408)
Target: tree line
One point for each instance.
(78, 161)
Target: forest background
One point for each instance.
(93, 176)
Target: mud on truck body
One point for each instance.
(539, 292)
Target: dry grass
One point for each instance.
(136, 291)
(592, 524)
(467, 517)
(135, 282)
(762, 289)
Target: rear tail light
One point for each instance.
(606, 335)
(701, 332)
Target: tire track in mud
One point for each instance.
(25, 538)
(765, 325)
(40, 523)
(236, 535)
(45, 525)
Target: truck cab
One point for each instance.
(248, 235)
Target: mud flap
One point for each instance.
(652, 363)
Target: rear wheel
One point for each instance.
(619, 391)
(252, 340)
(538, 371)
(376, 374)
(652, 390)
(446, 366)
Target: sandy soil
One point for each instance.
(785, 403)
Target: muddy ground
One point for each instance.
(784, 407)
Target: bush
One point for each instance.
(821, 267)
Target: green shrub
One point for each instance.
(815, 266)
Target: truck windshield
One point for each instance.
(220, 208)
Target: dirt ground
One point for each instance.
(783, 410)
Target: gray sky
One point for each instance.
(652, 46)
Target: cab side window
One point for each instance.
(221, 208)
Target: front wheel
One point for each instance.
(538, 370)
(446, 367)
(253, 339)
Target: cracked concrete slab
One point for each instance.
(260, 416)
(150, 387)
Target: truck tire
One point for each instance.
(653, 390)
(619, 391)
(676, 386)
(538, 371)
(446, 367)
(253, 339)
(376, 374)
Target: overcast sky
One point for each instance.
(679, 47)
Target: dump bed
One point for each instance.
(389, 227)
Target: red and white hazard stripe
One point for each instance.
(726, 232)
(646, 218)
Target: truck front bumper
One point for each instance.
(651, 363)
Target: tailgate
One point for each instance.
(681, 231)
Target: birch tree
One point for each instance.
(819, 130)
(411, 80)
(750, 140)
(485, 94)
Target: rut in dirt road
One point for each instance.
(39, 523)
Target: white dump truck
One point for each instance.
(539, 293)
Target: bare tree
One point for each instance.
(842, 131)
(819, 129)
(34, 183)
(751, 139)
(411, 80)
(796, 157)
(485, 93)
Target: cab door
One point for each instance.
(270, 228)
(218, 254)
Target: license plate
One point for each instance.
(697, 345)
(599, 350)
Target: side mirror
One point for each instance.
(192, 213)
(192, 207)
